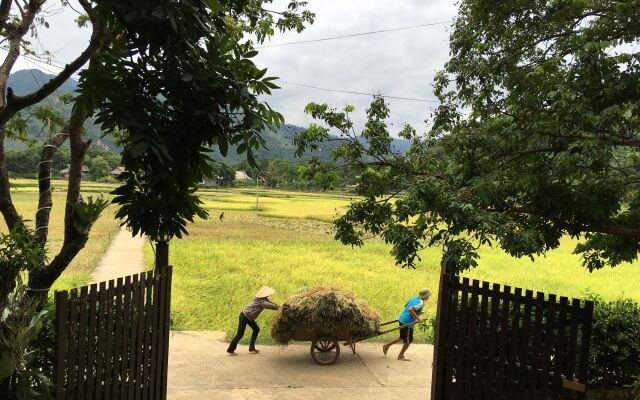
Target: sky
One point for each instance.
(399, 63)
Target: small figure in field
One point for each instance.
(409, 316)
(221, 216)
(248, 317)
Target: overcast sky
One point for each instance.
(400, 63)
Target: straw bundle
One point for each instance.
(323, 309)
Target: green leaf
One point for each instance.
(214, 5)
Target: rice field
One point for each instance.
(286, 242)
(25, 196)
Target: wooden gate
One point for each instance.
(112, 339)
(495, 343)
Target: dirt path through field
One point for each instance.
(124, 256)
(199, 368)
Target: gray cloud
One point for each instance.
(398, 63)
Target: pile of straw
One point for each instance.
(324, 309)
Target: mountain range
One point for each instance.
(279, 143)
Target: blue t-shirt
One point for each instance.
(405, 317)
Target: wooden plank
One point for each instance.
(548, 344)
(572, 360)
(503, 338)
(469, 384)
(83, 317)
(102, 341)
(561, 348)
(72, 358)
(62, 315)
(514, 344)
(126, 338)
(167, 326)
(438, 368)
(154, 353)
(449, 338)
(148, 318)
(524, 350)
(461, 334)
(140, 335)
(583, 367)
(109, 337)
(91, 341)
(481, 368)
(157, 379)
(116, 377)
(135, 313)
(489, 387)
(536, 346)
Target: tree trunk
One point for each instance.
(41, 278)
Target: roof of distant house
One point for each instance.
(242, 176)
(85, 169)
(117, 171)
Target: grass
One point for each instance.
(25, 196)
(287, 243)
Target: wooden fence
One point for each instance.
(112, 339)
(495, 343)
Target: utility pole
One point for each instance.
(257, 191)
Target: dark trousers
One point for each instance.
(243, 321)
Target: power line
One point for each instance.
(354, 35)
(358, 93)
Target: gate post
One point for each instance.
(442, 311)
(162, 252)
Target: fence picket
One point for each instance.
(62, 316)
(168, 276)
(82, 342)
(148, 318)
(470, 386)
(135, 307)
(140, 335)
(524, 349)
(125, 344)
(72, 365)
(102, 341)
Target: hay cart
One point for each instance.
(325, 343)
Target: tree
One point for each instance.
(99, 168)
(222, 173)
(536, 137)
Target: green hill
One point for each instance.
(279, 144)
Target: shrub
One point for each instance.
(615, 343)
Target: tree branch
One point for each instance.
(5, 9)
(45, 202)
(17, 103)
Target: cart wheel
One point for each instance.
(325, 350)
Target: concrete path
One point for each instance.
(124, 256)
(199, 368)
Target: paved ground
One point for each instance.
(123, 257)
(199, 368)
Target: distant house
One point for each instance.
(212, 182)
(117, 171)
(65, 172)
(242, 176)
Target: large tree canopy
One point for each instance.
(191, 85)
(536, 137)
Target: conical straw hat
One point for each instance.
(265, 291)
